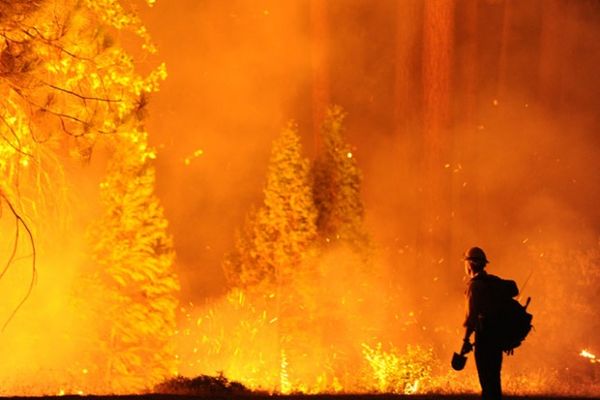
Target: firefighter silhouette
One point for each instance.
(485, 295)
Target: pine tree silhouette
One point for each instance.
(336, 188)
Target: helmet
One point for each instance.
(477, 255)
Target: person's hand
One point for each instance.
(466, 347)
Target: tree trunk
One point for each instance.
(438, 32)
(551, 54)
(319, 31)
(470, 65)
(466, 152)
(507, 21)
(406, 88)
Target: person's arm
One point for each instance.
(470, 321)
(468, 333)
(467, 346)
(472, 306)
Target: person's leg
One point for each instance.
(480, 363)
(495, 367)
(488, 360)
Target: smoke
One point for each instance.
(44, 338)
(313, 333)
(522, 169)
(522, 173)
(235, 71)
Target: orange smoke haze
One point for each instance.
(523, 161)
(238, 71)
(512, 167)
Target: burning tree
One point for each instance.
(278, 236)
(136, 256)
(272, 252)
(66, 88)
(336, 187)
(299, 258)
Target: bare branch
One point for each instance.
(82, 97)
(33, 260)
(60, 115)
(17, 148)
(14, 250)
(52, 42)
(65, 130)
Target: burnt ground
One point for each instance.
(295, 397)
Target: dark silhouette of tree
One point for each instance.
(337, 188)
(466, 199)
(406, 87)
(505, 38)
(319, 31)
(438, 32)
(550, 53)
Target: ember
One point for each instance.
(589, 356)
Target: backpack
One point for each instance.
(515, 324)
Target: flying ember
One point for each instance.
(589, 356)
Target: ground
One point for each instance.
(294, 397)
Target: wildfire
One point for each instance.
(586, 354)
(396, 372)
(309, 300)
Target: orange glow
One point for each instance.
(178, 198)
(589, 356)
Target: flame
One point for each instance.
(285, 385)
(399, 373)
(586, 354)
